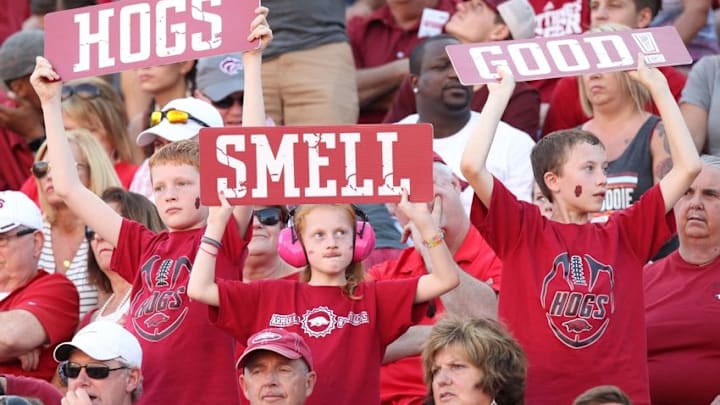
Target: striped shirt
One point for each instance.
(77, 272)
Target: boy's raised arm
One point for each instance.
(474, 158)
(685, 159)
(253, 113)
(83, 202)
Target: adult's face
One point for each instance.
(455, 379)
(619, 12)
(264, 240)
(697, 213)
(438, 83)
(473, 21)
(46, 182)
(115, 389)
(269, 378)
(19, 251)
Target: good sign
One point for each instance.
(543, 58)
(326, 164)
(131, 34)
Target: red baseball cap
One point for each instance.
(283, 342)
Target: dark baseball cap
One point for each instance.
(18, 52)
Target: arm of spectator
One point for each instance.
(409, 344)
(376, 82)
(362, 8)
(30, 360)
(482, 296)
(696, 119)
(660, 153)
(21, 332)
(692, 18)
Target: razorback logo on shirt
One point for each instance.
(578, 298)
(161, 305)
(319, 321)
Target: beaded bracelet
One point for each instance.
(208, 252)
(210, 241)
(435, 240)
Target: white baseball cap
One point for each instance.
(103, 340)
(16, 209)
(198, 109)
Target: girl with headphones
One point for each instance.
(346, 321)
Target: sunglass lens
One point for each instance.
(268, 217)
(177, 116)
(89, 233)
(72, 370)
(97, 371)
(227, 102)
(40, 169)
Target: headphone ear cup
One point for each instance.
(290, 249)
(364, 241)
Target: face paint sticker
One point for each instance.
(578, 190)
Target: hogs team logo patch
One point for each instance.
(577, 295)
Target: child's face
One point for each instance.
(328, 241)
(177, 192)
(583, 182)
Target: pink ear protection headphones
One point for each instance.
(292, 251)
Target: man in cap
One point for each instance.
(37, 309)
(102, 364)
(277, 368)
(21, 129)
(220, 82)
(180, 119)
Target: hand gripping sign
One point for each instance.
(316, 164)
(543, 58)
(131, 34)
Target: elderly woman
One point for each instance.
(473, 361)
(65, 248)
(263, 261)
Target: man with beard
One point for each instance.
(445, 103)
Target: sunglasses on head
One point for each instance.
(174, 117)
(86, 91)
(228, 101)
(268, 216)
(41, 168)
(94, 371)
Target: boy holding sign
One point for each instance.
(173, 331)
(574, 299)
(337, 312)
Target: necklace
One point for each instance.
(122, 302)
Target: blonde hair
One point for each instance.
(638, 93)
(355, 272)
(107, 111)
(101, 173)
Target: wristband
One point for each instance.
(210, 241)
(435, 240)
(208, 252)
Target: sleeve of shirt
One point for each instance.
(133, 240)
(234, 246)
(396, 310)
(54, 301)
(504, 221)
(645, 225)
(236, 313)
(699, 86)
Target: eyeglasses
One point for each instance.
(174, 117)
(268, 216)
(85, 91)
(228, 101)
(41, 168)
(94, 371)
(5, 239)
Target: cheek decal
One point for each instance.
(197, 203)
(578, 191)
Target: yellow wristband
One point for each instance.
(435, 240)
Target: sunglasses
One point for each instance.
(85, 91)
(228, 102)
(89, 234)
(174, 117)
(41, 168)
(94, 371)
(268, 216)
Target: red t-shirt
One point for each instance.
(15, 154)
(565, 109)
(185, 359)
(401, 382)
(572, 294)
(522, 112)
(682, 311)
(33, 388)
(347, 337)
(377, 40)
(53, 300)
